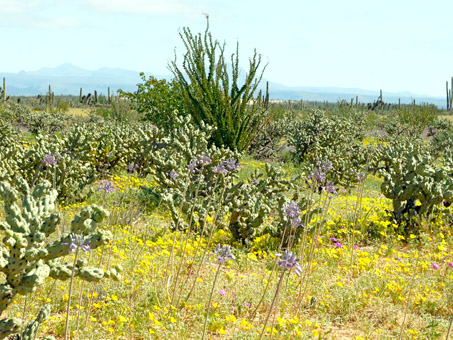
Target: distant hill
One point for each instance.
(69, 78)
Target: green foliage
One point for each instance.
(417, 117)
(250, 202)
(212, 93)
(442, 137)
(10, 152)
(246, 202)
(158, 101)
(28, 256)
(336, 139)
(414, 181)
(271, 142)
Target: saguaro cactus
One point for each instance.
(4, 90)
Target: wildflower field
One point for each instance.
(186, 210)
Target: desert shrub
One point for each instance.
(442, 137)
(158, 101)
(212, 93)
(37, 122)
(336, 139)
(271, 141)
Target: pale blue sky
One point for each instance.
(397, 45)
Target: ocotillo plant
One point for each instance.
(212, 94)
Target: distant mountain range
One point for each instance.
(69, 78)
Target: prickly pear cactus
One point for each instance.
(415, 181)
(27, 259)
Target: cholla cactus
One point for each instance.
(415, 181)
(250, 202)
(337, 139)
(10, 152)
(27, 259)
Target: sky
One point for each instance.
(394, 45)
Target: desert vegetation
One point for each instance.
(198, 209)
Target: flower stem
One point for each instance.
(272, 305)
(69, 297)
(210, 300)
(449, 328)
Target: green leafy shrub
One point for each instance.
(158, 101)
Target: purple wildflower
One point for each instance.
(223, 253)
(107, 187)
(355, 247)
(247, 304)
(318, 175)
(330, 189)
(361, 176)
(204, 159)
(50, 159)
(192, 166)
(231, 164)
(333, 239)
(326, 165)
(220, 169)
(338, 245)
(289, 262)
(450, 264)
(173, 175)
(222, 292)
(78, 241)
(435, 266)
(296, 222)
(292, 210)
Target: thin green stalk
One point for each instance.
(189, 230)
(23, 314)
(199, 243)
(272, 305)
(449, 328)
(211, 233)
(307, 271)
(210, 300)
(270, 276)
(170, 258)
(80, 298)
(358, 205)
(70, 292)
(414, 274)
